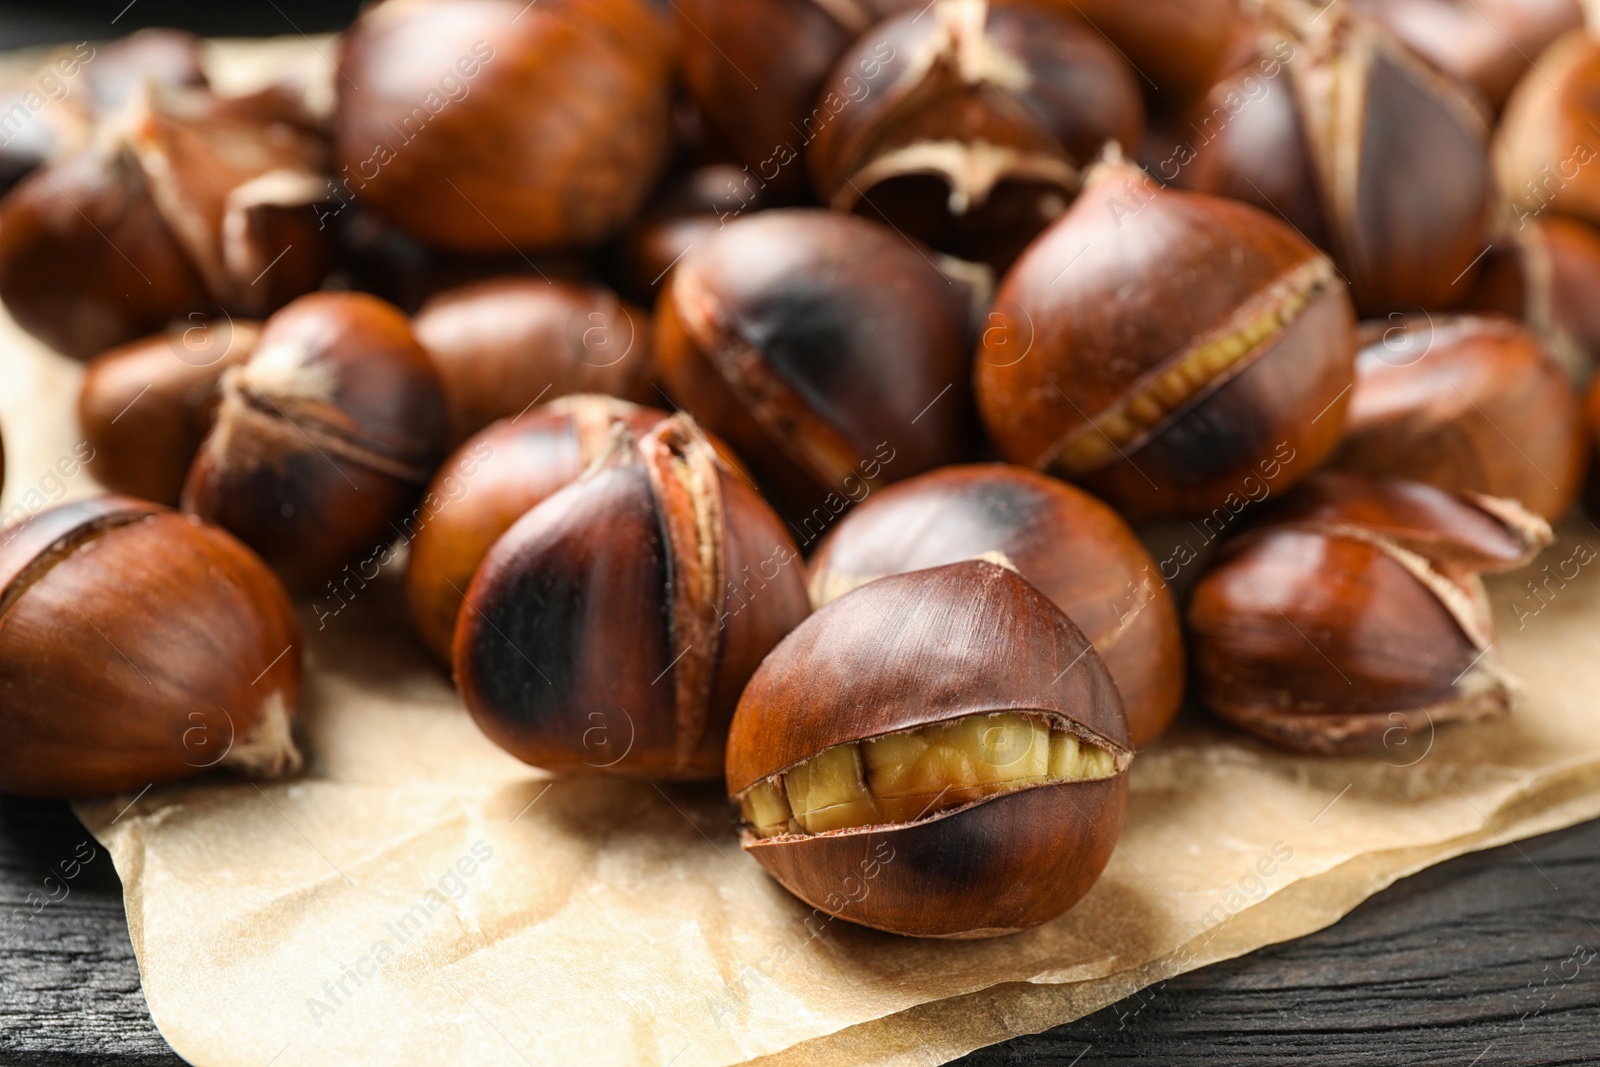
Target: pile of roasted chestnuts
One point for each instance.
(796, 436)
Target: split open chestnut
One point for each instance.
(137, 646)
(612, 628)
(1072, 547)
(1167, 349)
(940, 754)
(1355, 617)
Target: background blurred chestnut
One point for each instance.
(145, 407)
(1468, 404)
(479, 125)
(201, 206)
(948, 736)
(1354, 616)
(1544, 148)
(826, 349)
(1072, 547)
(490, 482)
(966, 123)
(1177, 46)
(324, 437)
(1167, 350)
(1546, 271)
(506, 343)
(688, 210)
(1360, 145)
(1488, 44)
(612, 628)
(138, 646)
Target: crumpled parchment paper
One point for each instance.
(419, 897)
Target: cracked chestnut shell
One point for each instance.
(1544, 147)
(914, 651)
(201, 203)
(1355, 612)
(145, 407)
(1357, 143)
(324, 437)
(1488, 44)
(503, 344)
(1163, 348)
(138, 646)
(1471, 405)
(1545, 271)
(966, 124)
(481, 124)
(1072, 547)
(826, 349)
(612, 628)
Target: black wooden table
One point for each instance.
(1488, 960)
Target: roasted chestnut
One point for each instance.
(1355, 616)
(1167, 349)
(1471, 405)
(1486, 43)
(826, 349)
(503, 345)
(947, 739)
(1546, 140)
(612, 628)
(137, 646)
(324, 436)
(490, 125)
(180, 202)
(756, 68)
(1177, 46)
(686, 212)
(966, 123)
(145, 407)
(1363, 147)
(1073, 548)
(490, 482)
(1546, 271)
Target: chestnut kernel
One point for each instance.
(1356, 611)
(323, 437)
(826, 349)
(612, 628)
(503, 344)
(202, 204)
(1471, 405)
(1165, 348)
(138, 646)
(1072, 547)
(971, 134)
(949, 730)
(478, 124)
(145, 407)
(1359, 144)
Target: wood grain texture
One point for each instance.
(1489, 960)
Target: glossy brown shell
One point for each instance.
(145, 407)
(826, 349)
(483, 125)
(1132, 277)
(1544, 150)
(325, 436)
(576, 649)
(1072, 547)
(138, 646)
(920, 648)
(1471, 405)
(1546, 273)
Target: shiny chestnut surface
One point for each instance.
(826, 349)
(138, 645)
(1072, 547)
(1164, 349)
(612, 628)
(912, 650)
(324, 437)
